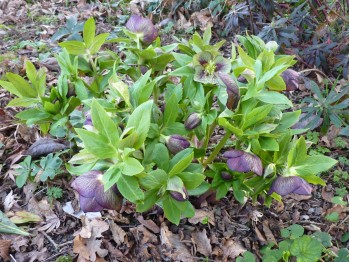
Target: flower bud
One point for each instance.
(241, 161)
(177, 143)
(192, 121)
(92, 196)
(291, 78)
(226, 176)
(291, 184)
(231, 89)
(179, 196)
(140, 25)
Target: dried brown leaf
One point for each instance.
(117, 232)
(268, 233)
(45, 146)
(172, 241)
(149, 224)
(232, 249)
(202, 242)
(202, 215)
(5, 249)
(52, 222)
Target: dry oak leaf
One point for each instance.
(201, 215)
(45, 146)
(149, 224)
(173, 242)
(232, 249)
(202, 242)
(117, 232)
(5, 249)
(88, 243)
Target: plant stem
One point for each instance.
(218, 148)
(210, 131)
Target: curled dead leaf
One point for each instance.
(45, 146)
(5, 249)
(202, 242)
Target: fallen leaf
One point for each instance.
(6, 226)
(173, 242)
(327, 195)
(88, 243)
(202, 216)
(5, 249)
(144, 236)
(268, 233)
(232, 249)
(45, 146)
(52, 222)
(149, 224)
(9, 201)
(21, 217)
(202, 242)
(117, 232)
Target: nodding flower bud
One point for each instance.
(92, 195)
(177, 143)
(143, 26)
(226, 176)
(181, 197)
(241, 161)
(231, 89)
(192, 121)
(291, 78)
(291, 184)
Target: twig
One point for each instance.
(66, 243)
(318, 71)
(250, 17)
(13, 258)
(50, 240)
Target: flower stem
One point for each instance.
(218, 148)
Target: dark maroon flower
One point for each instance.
(144, 27)
(226, 176)
(177, 143)
(192, 121)
(179, 196)
(231, 89)
(92, 196)
(241, 161)
(291, 184)
(291, 78)
(242, 79)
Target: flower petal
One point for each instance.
(87, 183)
(222, 64)
(202, 76)
(202, 58)
(89, 204)
(233, 153)
(292, 184)
(109, 199)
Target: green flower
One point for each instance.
(207, 66)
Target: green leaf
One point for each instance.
(343, 255)
(313, 165)
(268, 144)
(97, 43)
(161, 156)
(181, 161)
(235, 130)
(89, 31)
(324, 238)
(96, 144)
(33, 116)
(21, 85)
(274, 98)
(297, 152)
(182, 59)
(104, 124)
(132, 166)
(175, 184)
(137, 90)
(256, 115)
(171, 211)
(293, 232)
(288, 119)
(23, 101)
(191, 180)
(154, 179)
(7, 227)
(139, 122)
(130, 189)
(306, 249)
(151, 197)
(111, 176)
(38, 79)
(183, 71)
(246, 59)
(171, 109)
(74, 47)
(276, 83)
(11, 88)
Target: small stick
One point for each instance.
(318, 71)
(13, 258)
(50, 240)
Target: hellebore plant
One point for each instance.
(153, 111)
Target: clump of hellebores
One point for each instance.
(193, 121)
(143, 27)
(207, 65)
(291, 78)
(284, 185)
(241, 161)
(177, 143)
(92, 195)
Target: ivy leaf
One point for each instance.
(306, 249)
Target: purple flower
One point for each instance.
(177, 143)
(241, 161)
(283, 185)
(144, 27)
(231, 89)
(88, 119)
(192, 121)
(226, 176)
(208, 65)
(291, 78)
(92, 196)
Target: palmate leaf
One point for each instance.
(7, 227)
